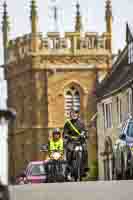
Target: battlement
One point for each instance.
(74, 40)
(19, 47)
(54, 43)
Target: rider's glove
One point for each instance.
(65, 142)
(82, 134)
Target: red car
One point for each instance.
(34, 173)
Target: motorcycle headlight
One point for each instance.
(56, 155)
(78, 148)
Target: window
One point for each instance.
(108, 115)
(129, 101)
(38, 170)
(119, 109)
(130, 53)
(130, 129)
(72, 100)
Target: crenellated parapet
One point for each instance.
(74, 41)
(20, 47)
(53, 43)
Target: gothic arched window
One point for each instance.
(72, 100)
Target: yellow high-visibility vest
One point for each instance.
(56, 145)
(73, 127)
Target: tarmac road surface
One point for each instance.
(100, 190)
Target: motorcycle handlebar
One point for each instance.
(44, 148)
(82, 136)
(57, 151)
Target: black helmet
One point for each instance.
(56, 131)
(75, 110)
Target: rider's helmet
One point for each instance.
(75, 110)
(74, 113)
(56, 133)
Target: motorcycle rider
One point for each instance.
(56, 142)
(74, 128)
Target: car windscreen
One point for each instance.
(130, 130)
(38, 170)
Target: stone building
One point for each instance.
(47, 76)
(115, 104)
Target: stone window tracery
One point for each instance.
(72, 100)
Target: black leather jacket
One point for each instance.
(78, 124)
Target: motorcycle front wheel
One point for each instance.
(77, 166)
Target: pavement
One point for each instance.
(93, 190)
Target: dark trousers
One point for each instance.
(70, 157)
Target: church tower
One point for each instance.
(47, 76)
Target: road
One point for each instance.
(100, 190)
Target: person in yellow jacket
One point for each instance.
(56, 142)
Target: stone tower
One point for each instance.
(46, 77)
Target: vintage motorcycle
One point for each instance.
(76, 147)
(56, 166)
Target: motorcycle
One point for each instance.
(56, 167)
(56, 155)
(77, 151)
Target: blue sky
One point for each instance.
(93, 13)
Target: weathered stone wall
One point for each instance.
(114, 131)
(58, 83)
(36, 86)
